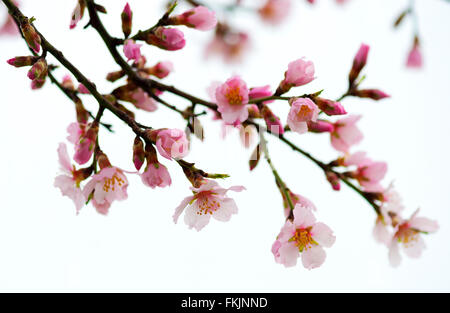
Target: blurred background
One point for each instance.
(44, 246)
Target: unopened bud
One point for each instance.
(127, 20)
(272, 121)
(138, 153)
(22, 61)
(374, 94)
(330, 107)
(67, 83)
(320, 126)
(113, 76)
(359, 62)
(38, 70)
(37, 83)
(334, 180)
(32, 38)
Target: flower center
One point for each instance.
(304, 112)
(407, 235)
(110, 183)
(206, 205)
(234, 96)
(303, 239)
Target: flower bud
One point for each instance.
(22, 61)
(82, 113)
(138, 153)
(374, 94)
(102, 160)
(113, 76)
(320, 126)
(38, 70)
(359, 62)
(67, 83)
(200, 18)
(37, 83)
(166, 38)
(272, 121)
(160, 70)
(127, 20)
(77, 13)
(32, 38)
(329, 107)
(300, 72)
(334, 180)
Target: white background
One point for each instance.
(44, 246)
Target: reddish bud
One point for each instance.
(138, 153)
(330, 107)
(359, 62)
(32, 38)
(320, 126)
(374, 94)
(127, 20)
(38, 70)
(22, 61)
(334, 180)
(166, 38)
(272, 121)
(113, 76)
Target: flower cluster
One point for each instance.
(237, 104)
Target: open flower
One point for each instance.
(132, 50)
(408, 235)
(370, 173)
(345, 133)
(108, 185)
(303, 110)
(232, 98)
(303, 237)
(208, 200)
(172, 143)
(69, 181)
(143, 101)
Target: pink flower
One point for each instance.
(200, 18)
(369, 174)
(156, 175)
(415, 56)
(208, 200)
(303, 237)
(162, 69)
(345, 133)
(232, 98)
(167, 38)
(132, 50)
(299, 73)
(172, 143)
(68, 182)
(84, 147)
(357, 158)
(407, 234)
(275, 11)
(75, 132)
(108, 185)
(302, 111)
(143, 101)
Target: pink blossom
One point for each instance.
(299, 73)
(415, 57)
(172, 143)
(108, 185)
(345, 133)
(156, 175)
(357, 158)
(167, 38)
(407, 234)
(132, 50)
(75, 132)
(370, 173)
(303, 237)
(302, 111)
(68, 182)
(208, 200)
(275, 11)
(200, 18)
(380, 231)
(232, 98)
(84, 147)
(143, 101)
